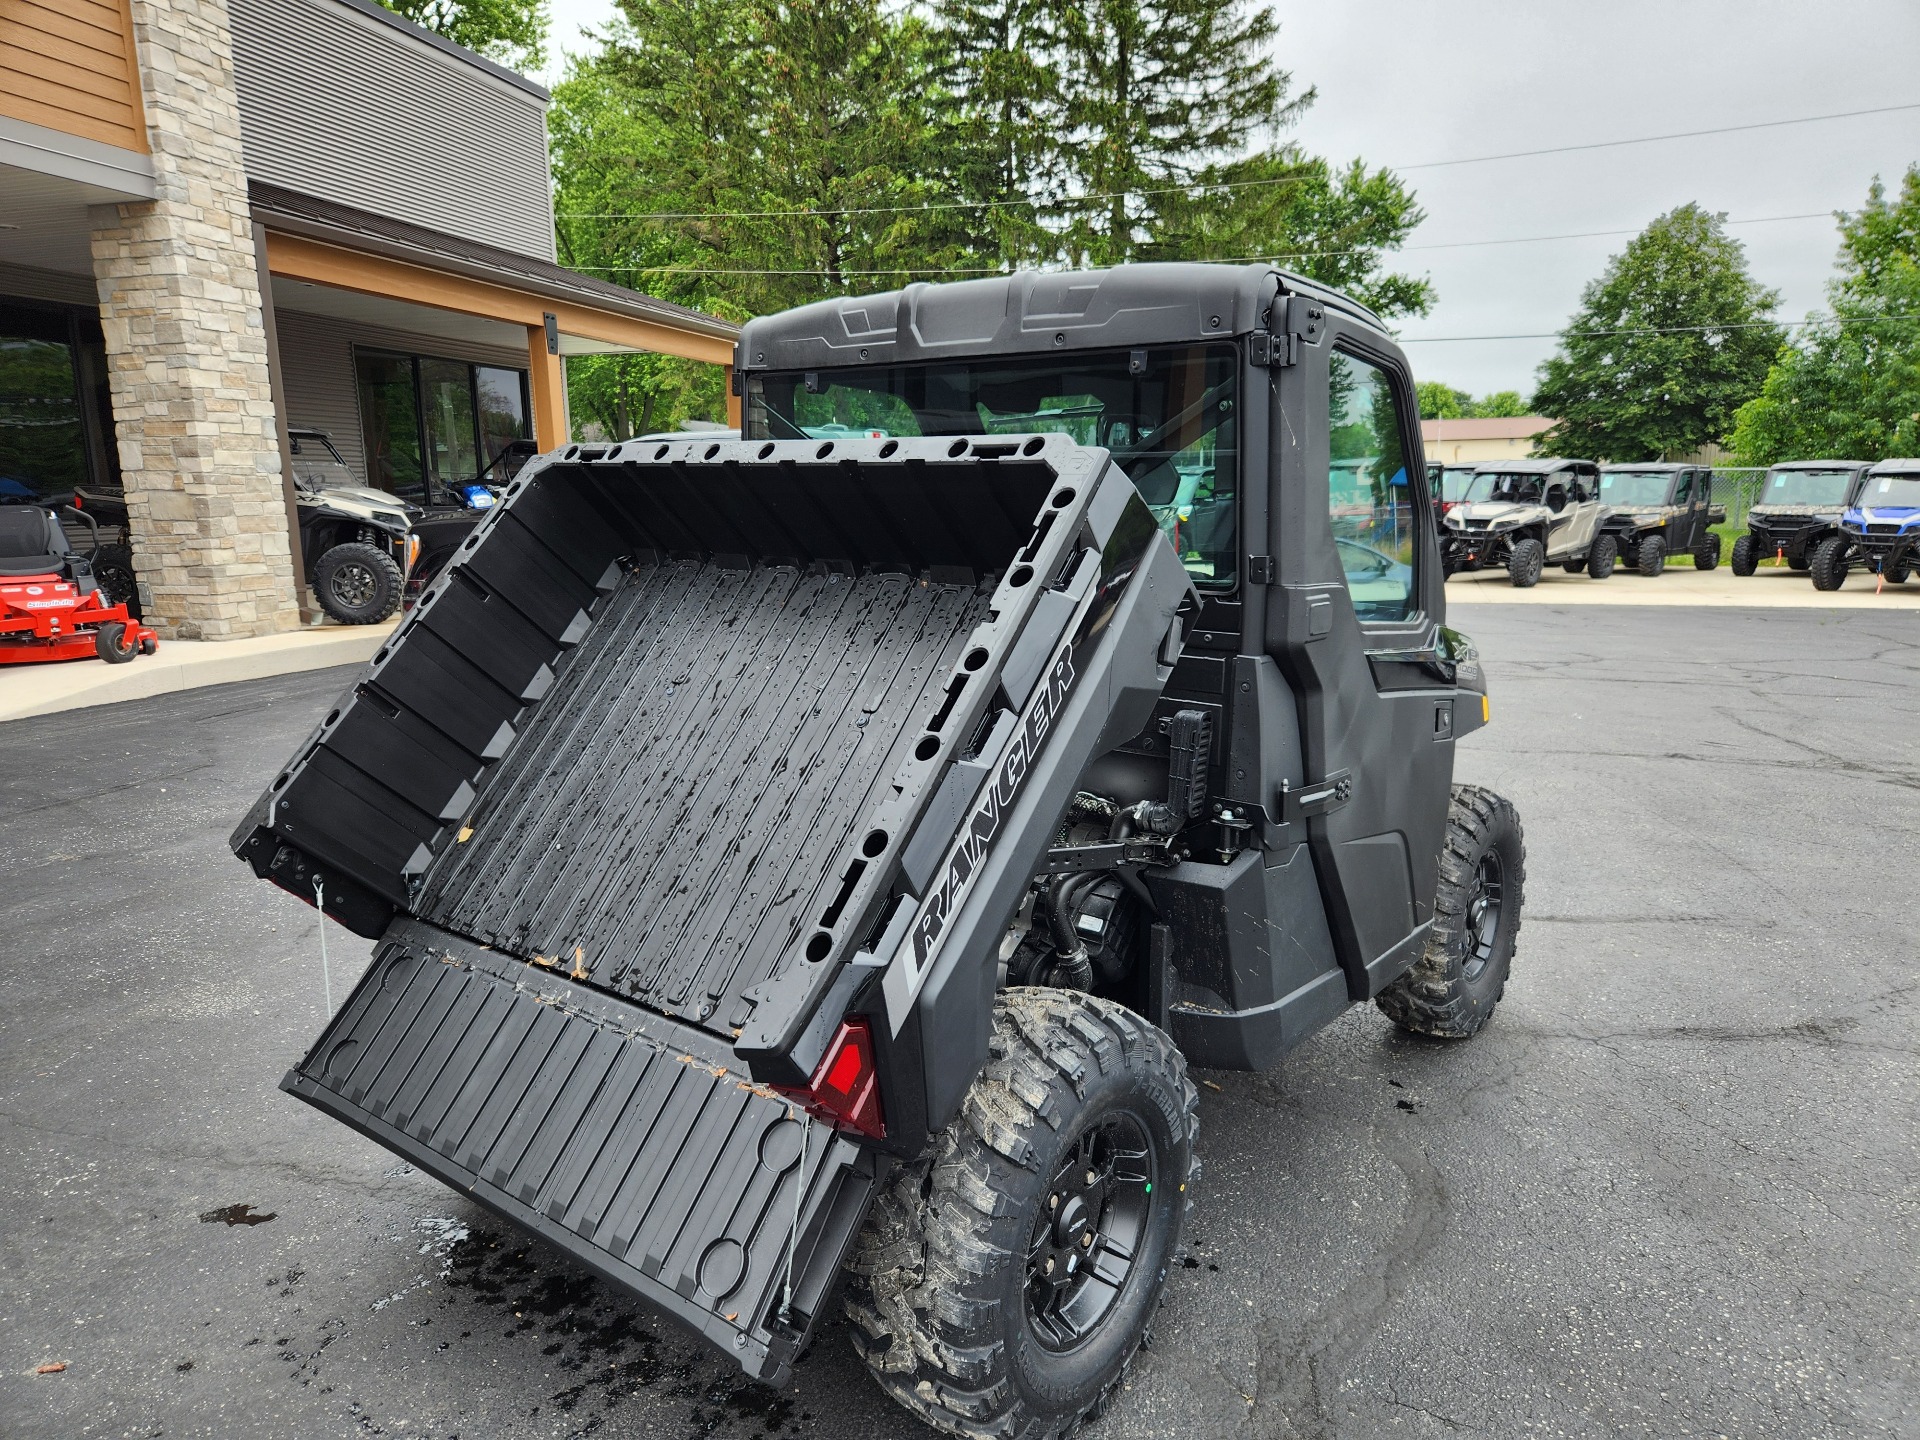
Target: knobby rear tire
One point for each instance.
(938, 1288)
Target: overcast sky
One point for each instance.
(1404, 82)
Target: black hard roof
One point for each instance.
(1668, 465)
(1032, 312)
(1906, 465)
(1820, 465)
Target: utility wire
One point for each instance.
(686, 268)
(1028, 201)
(1810, 321)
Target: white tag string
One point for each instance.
(326, 974)
(793, 1231)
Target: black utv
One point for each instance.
(803, 867)
(1799, 507)
(1657, 511)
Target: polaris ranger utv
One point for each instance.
(1880, 528)
(1799, 506)
(1522, 515)
(805, 865)
(1654, 511)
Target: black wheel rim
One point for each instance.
(1090, 1231)
(353, 585)
(118, 583)
(1484, 902)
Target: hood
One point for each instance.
(1884, 514)
(358, 500)
(1494, 510)
(1794, 510)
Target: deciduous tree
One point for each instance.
(1668, 343)
(1850, 387)
(513, 32)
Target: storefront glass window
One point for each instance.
(43, 447)
(390, 421)
(433, 426)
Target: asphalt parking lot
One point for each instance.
(1671, 1191)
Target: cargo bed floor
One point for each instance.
(740, 720)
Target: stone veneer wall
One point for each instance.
(187, 349)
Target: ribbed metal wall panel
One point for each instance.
(316, 365)
(338, 105)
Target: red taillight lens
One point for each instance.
(845, 1089)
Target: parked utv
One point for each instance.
(1799, 507)
(1880, 529)
(1654, 511)
(1535, 512)
(803, 867)
(358, 543)
(1453, 485)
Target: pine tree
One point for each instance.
(1156, 91)
(1667, 344)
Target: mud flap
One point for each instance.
(630, 1141)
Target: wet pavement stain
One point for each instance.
(237, 1215)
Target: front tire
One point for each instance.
(1828, 566)
(1652, 555)
(1746, 555)
(1525, 562)
(1073, 1154)
(1453, 987)
(1601, 557)
(1706, 555)
(1895, 574)
(110, 643)
(357, 584)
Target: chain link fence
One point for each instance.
(1737, 488)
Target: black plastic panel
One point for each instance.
(668, 821)
(622, 1137)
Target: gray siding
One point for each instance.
(316, 366)
(337, 104)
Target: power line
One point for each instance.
(1029, 201)
(1810, 321)
(680, 268)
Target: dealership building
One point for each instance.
(222, 220)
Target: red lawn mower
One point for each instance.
(51, 608)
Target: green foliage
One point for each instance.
(1440, 401)
(512, 32)
(745, 157)
(1500, 405)
(626, 395)
(1667, 344)
(1331, 225)
(1850, 389)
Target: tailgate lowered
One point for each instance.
(626, 1139)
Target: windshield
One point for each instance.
(1520, 489)
(317, 465)
(1635, 487)
(1805, 487)
(1464, 484)
(1170, 424)
(1891, 491)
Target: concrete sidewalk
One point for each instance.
(182, 665)
(1767, 588)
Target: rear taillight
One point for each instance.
(845, 1089)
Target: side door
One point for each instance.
(1353, 623)
(1683, 528)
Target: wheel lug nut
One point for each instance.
(1053, 1202)
(1086, 1241)
(1047, 1269)
(1091, 1177)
